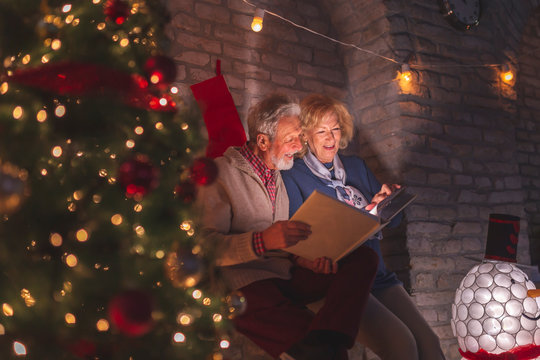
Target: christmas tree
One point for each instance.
(99, 164)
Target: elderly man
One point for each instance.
(244, 213)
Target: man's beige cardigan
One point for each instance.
(231, 209)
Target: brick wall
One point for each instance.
(464, 141)
(528, 129)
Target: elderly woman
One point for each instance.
(391, 325)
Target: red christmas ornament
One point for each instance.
(116, 11)
(131, 312)
(138, 176)
(204, 171)
(185, 191)
(160, 69)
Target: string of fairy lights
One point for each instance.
(506, 72)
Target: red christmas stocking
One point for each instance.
(220, 115)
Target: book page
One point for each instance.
(337, 228)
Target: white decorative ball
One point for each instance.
(492, 311)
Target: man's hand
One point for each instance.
(322, 265)
(283, 234)
(386, 189)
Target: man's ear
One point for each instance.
(263, 142)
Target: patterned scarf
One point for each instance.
(345, 193)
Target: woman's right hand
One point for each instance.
(386, 189)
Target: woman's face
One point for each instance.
(323, 140)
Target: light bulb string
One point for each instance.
(415, 66)
(325, 36)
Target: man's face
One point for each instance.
(286, 143)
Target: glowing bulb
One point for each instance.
(186, 225)
(184, 319)
(130, 144)
(77, 195)
(163, 102)
(26, 59)
(257, 23)
(116, 219)
(7, 309)
(71, 260)
(45, 59)
(17, 112)
(224, 344)
(29, 301)
(70, 318)
(102, 325)
(406, 74)
(124, 42)
(41, 116)
(174, 90)
(160, 254)
(184, 126)
(56, 151)
(19, 348)
(55, 239)
(159, 125)
(217, 317)
(507, 74)
(60, 111)
(197, 294)
(4, 88)
(139, 130)
(179, 337)
(139, 230)
(56, 44)
(82, 235)
(101, 26)
(155, 78)
(66, 8)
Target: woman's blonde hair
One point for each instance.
(315, 107)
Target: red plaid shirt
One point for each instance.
(268, 177)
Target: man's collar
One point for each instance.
(256, 161)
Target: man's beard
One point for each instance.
(283, 163)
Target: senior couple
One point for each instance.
(293, 150)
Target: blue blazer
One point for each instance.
(300, 182)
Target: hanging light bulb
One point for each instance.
(507, 74)
(257, 23)
(406, 74)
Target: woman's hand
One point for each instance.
(386, 189)
(322, 265)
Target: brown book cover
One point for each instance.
(339, 228)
